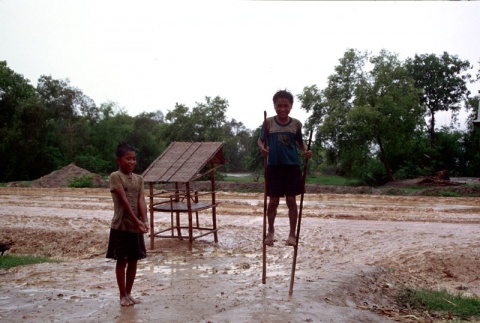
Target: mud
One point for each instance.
(355, 253)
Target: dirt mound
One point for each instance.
(60, 178)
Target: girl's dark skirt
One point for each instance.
(125, 245)
(284, 180)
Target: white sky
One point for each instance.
(149, 55)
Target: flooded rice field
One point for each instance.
(355, 252)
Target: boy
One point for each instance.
(126, 243)
(284, 176)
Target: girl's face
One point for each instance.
(127, 162)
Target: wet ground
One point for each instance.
(355, 252)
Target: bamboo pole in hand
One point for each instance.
(295, 248)
(264, 246)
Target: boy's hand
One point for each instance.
(308, 154)
(264, 151)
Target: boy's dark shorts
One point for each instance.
(284, 180)
(125, 245)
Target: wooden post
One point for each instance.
(177, 214)
(189, 208)
(264, 246)
(214, 209)
(152, 233)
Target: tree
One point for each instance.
(471, 141)
(253, 161)
(207, 121)
(387, 111)
(443, 81)
(180, 126)
(22, 128)
(114, 126)
(330, 108)
(69, 113)
(363, 115)
(236, 139)
(210, 119)
(146, 138)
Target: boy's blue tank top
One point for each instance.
(282, 141)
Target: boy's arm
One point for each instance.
(263, 147)
(304, 148)
(122, 197)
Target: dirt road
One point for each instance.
(355, 252)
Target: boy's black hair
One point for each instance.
(123, 148)
(283, 94)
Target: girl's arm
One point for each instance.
(120, 193)
(142, 209)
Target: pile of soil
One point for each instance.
(61, 178)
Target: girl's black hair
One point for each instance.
(123, 148)
(283, 94)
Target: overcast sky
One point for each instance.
(149, 55)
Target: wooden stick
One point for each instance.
(264, 246)
(295, 248)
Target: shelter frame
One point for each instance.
(180, 164)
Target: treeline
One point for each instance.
(46, 127)
(369, 123)
(375, 119)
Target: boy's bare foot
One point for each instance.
(292, 241)
(134, 300)
(269, 239)
(126, 301)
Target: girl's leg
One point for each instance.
(120, 273)
(131, 274)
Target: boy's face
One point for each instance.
(283, 108)
(127, 162)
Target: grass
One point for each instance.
(311, 179)
(10, 261)
(331, 180)
(243, 179)
(441, 303)
(445, 193)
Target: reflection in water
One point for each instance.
(128, 314)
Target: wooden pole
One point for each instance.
(295, 248)
(214, 202)
(264, 246)
(152, 233)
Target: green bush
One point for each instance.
(372, 174)
(81, 181)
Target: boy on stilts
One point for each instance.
(283, 166)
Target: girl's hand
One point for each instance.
(142, 227)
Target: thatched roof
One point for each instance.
(182, 162)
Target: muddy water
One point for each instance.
(354, 252)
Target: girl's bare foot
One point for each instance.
(134, 300)
(126, 301)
